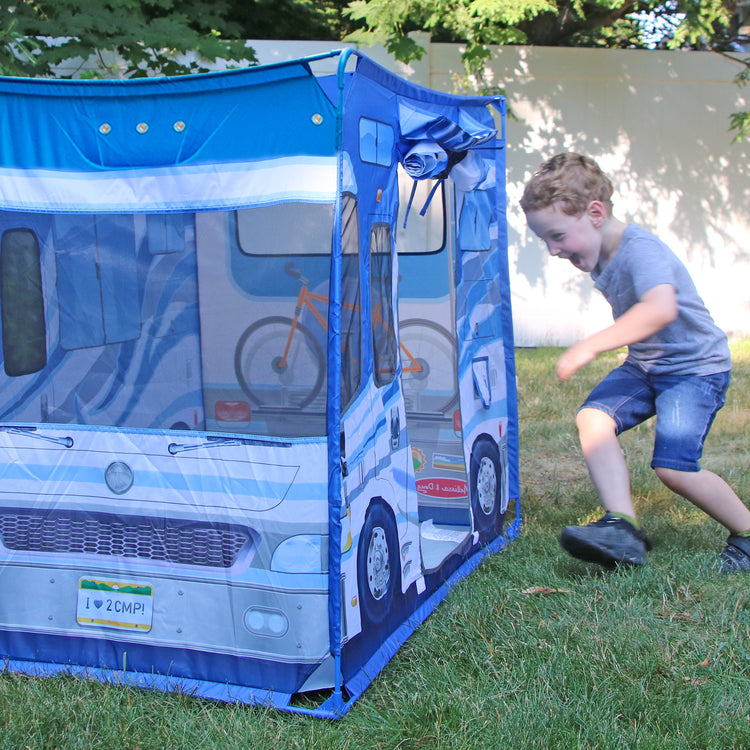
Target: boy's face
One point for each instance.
(577, 239)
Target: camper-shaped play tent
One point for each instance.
(257, 395)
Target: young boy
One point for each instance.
(677, 368)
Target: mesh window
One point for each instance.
(24, 330)
(351, 313)
(381, 285)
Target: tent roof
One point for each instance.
(114, 124)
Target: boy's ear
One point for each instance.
(597, 213)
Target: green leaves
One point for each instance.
(134, 38)
(130, 38)
(740, 123)
(702, 22)
(478, 23)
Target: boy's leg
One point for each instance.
(714, 496)
(619, 402)
(612, 539)
(622, 400)
(711, 494)
(686, 408)
(605, 460)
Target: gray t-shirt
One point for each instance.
(692, 343)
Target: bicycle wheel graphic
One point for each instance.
(428, 358)
(265, 378)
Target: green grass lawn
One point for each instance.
(533, 650)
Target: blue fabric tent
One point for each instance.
(257, 404)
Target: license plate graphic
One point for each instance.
(125, 606)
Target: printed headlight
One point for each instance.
(268, 622)
(305, 553)
(119, 477)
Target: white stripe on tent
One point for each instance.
(194, 188)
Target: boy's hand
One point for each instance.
(656, 308)
(574, 359)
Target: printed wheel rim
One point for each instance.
(486, 485)
(378, 565)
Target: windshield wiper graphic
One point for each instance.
(221, 442)
(65, 441)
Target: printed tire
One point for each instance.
(485, 479)
(257, 360)
(433, 388)
(378, 569)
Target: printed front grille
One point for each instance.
(180, 542)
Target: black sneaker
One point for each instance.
(608, 541)
(735, 557)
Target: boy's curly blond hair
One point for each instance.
(570, 179)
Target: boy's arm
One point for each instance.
(656, 309)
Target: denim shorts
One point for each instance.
(684, 405)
